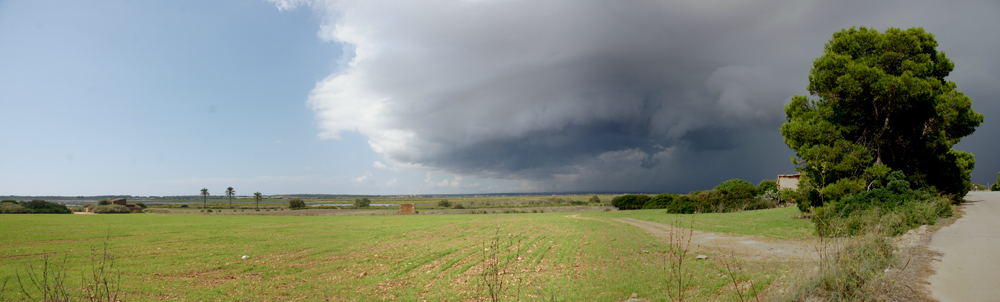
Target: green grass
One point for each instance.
(409, 258)
(781, 223)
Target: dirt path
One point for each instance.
(970, 267)
(747, 247)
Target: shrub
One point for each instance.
(594, 199)
(41, 206)
(459, 206)
(296, 203)
(682, 205)
(184, 205)
(362, 202)
(894, 208)
(629, 201)
(734, 183)
(13, 208)
(444, 203)
(103, 202)
(141, 205)
(111, 209)
(660, 201)
(8, 201)
(996, 186)
(767, 185)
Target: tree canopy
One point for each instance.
(881, 103)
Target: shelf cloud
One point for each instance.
(598, 95)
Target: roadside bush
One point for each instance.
(296, 203)
(734, 183)
(894, 208)
(13, 208)
(996, 185)
(629, 201)
(38, 206)
(767, 185)
(444, 203)
(141, 205)
(362, 202)
(111, 209)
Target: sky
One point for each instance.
(119, 97)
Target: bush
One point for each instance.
(734, 183)
(459, 206)
(103, 202)
(8, 201)
(111, 209)
(629, 201)
(594, 199)
(13, 208)
(40, 206)
(141, 205)
(996, 186)
(362, 202)
(767, 185)
(660, 201)
(184, 205)
(444, 203)
(296, 203)
(682, 205)
(894, 209)
(740, 198)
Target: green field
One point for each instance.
(387, 257)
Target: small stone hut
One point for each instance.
(788, 181)
(122, 201)
(406, 208)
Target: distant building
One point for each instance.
(788, 181)
(406, 208)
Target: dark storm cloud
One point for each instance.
(606, 95)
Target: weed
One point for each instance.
(104, 282)
(737, 274)
(853, 268)
(501, 261)
(680, 245)
(50, 281)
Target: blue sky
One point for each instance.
(441, 96)
(167, 97)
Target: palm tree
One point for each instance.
(230, 192)
(257, 197)
(204, 194)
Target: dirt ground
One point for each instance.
(754, 248)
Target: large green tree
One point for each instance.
(880, 103)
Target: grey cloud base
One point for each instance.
(602, 95)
